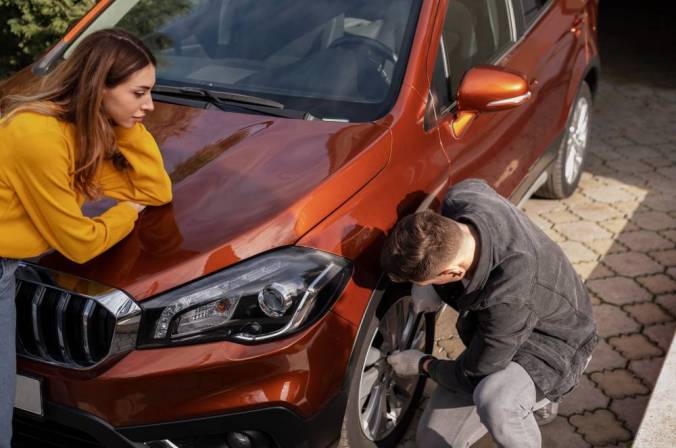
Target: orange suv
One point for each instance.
(251, 312)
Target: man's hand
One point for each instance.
(425, 299)
(405, 363)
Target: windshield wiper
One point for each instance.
(226, 100)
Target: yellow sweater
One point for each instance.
(39, 208)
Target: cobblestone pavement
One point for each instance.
(619, 231)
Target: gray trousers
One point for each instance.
(502, 404)
(7, 349)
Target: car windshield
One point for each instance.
(337, 59)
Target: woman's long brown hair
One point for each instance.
(73, 92)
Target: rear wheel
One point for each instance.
(564, 174)
(380, 404)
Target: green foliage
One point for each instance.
(32, 26)
(148, 16)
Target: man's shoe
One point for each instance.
(547, 413)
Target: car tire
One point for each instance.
(353, 433)
(564, 174)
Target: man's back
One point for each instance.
(524, 301)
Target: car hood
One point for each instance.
(243, 184)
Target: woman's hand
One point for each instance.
(138, 207)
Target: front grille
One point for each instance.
(62, 325)
(30, 433)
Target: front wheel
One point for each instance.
(380, 404)
(564, 174)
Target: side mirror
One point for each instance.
(487, 88)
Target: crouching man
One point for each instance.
(524, 316)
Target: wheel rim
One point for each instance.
(576, 143)
(384, 397)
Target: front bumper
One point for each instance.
(290, 390)
(63, 426)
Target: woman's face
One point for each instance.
(130, 101)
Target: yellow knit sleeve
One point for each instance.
(146, 181)
(40, 178)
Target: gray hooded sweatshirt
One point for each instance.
(524, 302)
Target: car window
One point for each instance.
(475, 32)
(531, 9)
(338, 59)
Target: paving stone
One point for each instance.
(591, 270)
(618, 225)
(665, 257)
(603, 247)
(669, 172)
(662, 334)
(632, 264)
(660, 184)
(628, 208)
(452, 347)
(600, 427)
(561, 434)
(630, 166)
(619, 383)
(644, 241)
(601, 271)
(647, 369)
(605, 358)
(589, 182)
(654, 220)
(445, 325)
(614, 181)
(539, 221)
(648, 313)
(538, 206)
(658, 284)
(668, 302)
(635, 346)
(661, 202)
(670, 234)
(585, 397)
(593, 211)
(639, 152)
(594, 299)
(672, 272)
(616, 140)
(560, 217)
(609, 195)
(554, 235)
(577, 252)
(658, 161)
(634, 184)
(582, 231)
(576, 199)
(618, 290)
(630, 410)
(612, 321)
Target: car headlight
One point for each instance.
(266, 297)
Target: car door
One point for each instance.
(554, 36)
(497, 147)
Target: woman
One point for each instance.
(79, 138)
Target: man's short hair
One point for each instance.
(420, 246)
